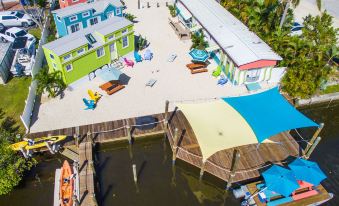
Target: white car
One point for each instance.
(12, 33)
(15, 18)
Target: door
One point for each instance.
(252, 75)
(113, 51)
(110, 14)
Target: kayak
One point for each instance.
(66, 185)
(37, 142)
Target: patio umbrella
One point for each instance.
(108, 74)
(280, 180)
(199, 55)
(307, 171)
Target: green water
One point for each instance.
(161, 184)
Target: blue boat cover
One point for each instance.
(269, 113)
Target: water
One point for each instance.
(157, 183)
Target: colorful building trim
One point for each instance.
(80, 16)
(66, 3)
(244, 57)
(80, 53)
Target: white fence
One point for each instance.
(26, 116)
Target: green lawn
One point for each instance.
(36, 32)
(14, 94)
(331, 89)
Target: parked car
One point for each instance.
(15, 18)
(296, 29)
(9, 35)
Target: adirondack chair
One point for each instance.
(222, 80)
(95, 96)
(90, 104)
(148, 55)
(129, 63)
(137, 57)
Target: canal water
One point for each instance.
(161, 184)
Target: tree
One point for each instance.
(12, 165)
(50, 82)
(198, 41)
(37, 6)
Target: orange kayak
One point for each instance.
(66, 185)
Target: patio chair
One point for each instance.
(137, 57)
(148, 55)
(223, 80)
(151, 82)
(95, 96)
(129, 63)
(90, 104)
(172, 57)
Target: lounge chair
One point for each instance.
(151, 82)
(137, 57)
(95, 96)
(195, 65)
(172, 57)
(129, 63)
(148, 55)
(90, 104)
(114, 89)
(223, 80)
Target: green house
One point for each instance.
(80, 53)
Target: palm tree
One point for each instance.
(198, 41)
(52, 82)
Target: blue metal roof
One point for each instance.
(269, 113)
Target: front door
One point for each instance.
(113, 50)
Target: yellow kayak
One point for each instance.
(37, 142)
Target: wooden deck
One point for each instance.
(322, 196)
(252, 161)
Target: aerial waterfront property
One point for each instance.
(241, 55)
(78, 54)
(80, 16)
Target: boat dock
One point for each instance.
(184, 146)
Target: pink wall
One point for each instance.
(65, 3)
(258, 64)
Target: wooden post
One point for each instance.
(91, 164)
(138, 4)
(75, 200)
(315, 135)
(309, 152)
(166, 109)
(148, 5)
(23, 152)
(129, 135)
(166, 3)
(76, 138)
(135, 176)
(175, 142)
(202, 170)
(235, 160)
(49, 147)
(158, 5)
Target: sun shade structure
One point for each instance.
(199, 55)
(108, 74)
(237, 121)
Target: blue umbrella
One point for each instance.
(307, 171)
(108, 74)
(199, 55)
(280, 180)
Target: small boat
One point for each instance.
(37, 143)
(66, 185)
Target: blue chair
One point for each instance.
(222, 80)
(148, 55)
(137, 57)
(90, 104)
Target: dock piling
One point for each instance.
(129, 135)
(202, 170)
(135, 177)
(235, 160)
(309, 152)
(76, 138)
(315, 135)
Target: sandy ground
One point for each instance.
(310, 7)
(174, 82)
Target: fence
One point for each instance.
(37, 64)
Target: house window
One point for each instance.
(73, 18)
(93, 21)
(85, 14)
(75, 28)
(118, 11)
(252, 75)
(69, 67)
(124, 31)
(54, 65)
(58, 18)
(67, 57)
(51, 55)
(80, 51)
(100, 52)
(124, 42)
(111, 37)
(75, 0)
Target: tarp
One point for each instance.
(232, 122)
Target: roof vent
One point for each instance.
(257, 42)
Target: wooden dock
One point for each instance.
(252, 161)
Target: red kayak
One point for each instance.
(66, 185)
